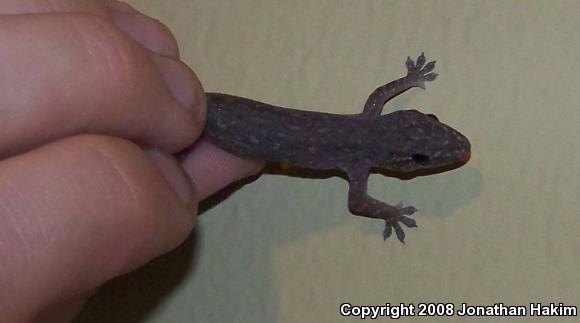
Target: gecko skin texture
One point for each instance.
(402, 142)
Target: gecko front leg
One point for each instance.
(361, 204)
(417, 74)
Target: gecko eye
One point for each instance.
(433, 116)
(420, 158)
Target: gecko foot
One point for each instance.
(391, 224)
(418, 72)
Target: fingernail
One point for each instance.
(147, 31)
(175, 175)
(182, 82)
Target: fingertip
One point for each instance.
(175, 175)
(212, 168)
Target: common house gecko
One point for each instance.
(404, 142)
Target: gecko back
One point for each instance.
(254, 129)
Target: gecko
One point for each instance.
(401, 142)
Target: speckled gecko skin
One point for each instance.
(401, 142)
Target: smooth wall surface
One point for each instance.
(502, 229)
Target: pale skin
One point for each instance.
(87, 86)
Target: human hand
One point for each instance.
(85, 85)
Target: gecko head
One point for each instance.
(412, 141)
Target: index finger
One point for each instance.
(65, 74)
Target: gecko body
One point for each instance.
(401, 142)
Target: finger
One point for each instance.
(67, 74)
(62, 312)
(77, 212)
(212, 168)
(149, 32)
(46, 6)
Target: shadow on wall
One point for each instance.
(134, 297)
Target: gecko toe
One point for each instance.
(387, 232)
(409, 210)
(399, 232)
(428, 67)
(408, 222)
(409, 63)
(420, 61)
(430, 77)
